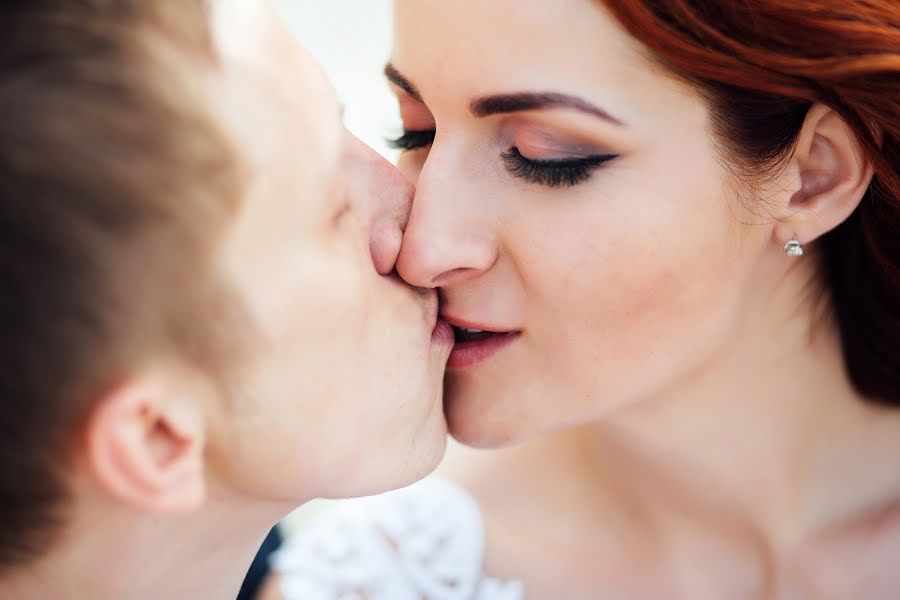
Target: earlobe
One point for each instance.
(145, 448)
(834, 177)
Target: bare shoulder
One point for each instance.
(857, 561)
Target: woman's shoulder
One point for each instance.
(425, 541)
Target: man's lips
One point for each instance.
(441, 332)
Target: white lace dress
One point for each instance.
(424, 542)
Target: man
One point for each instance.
(200, 326)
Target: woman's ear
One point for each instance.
(833, 177)
(145, 442)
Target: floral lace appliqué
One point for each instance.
(424, 542)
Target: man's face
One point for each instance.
(340, 388)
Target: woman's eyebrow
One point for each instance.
(510, 103)
(395, 77)
(524, 101)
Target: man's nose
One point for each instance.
(382, 197)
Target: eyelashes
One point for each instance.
(412, 140)
(554, 173)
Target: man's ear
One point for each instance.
(145, 442)
(833, 177)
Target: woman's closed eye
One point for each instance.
(555, 172)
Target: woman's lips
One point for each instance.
(476, 343)
(468, 354)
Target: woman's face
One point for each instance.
(572, 206)
(339, 383)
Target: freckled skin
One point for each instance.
(621, 284)
(665, 404)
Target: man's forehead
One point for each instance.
(242, 30)
(282, 95)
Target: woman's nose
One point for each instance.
(448, 239)
(382, 197)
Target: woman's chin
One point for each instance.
(472, 428)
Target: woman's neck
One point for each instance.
(770, 433)
(767, 442)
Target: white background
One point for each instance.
(352, 40)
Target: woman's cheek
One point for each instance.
(410, 164)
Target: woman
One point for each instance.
(666, 234)
(198, 331)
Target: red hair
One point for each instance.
(762, 64)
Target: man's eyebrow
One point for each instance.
(395, 77)
(524, 101)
